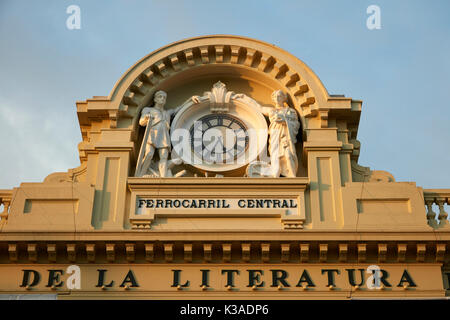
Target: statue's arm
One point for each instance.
(193, 100)
(175, 110)
(145, 117)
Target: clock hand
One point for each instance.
(208, 151)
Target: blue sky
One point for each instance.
(401, 72)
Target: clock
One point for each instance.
(220, 134)
(219, 138)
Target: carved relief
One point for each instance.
(221, 141)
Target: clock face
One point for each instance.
(219, 138)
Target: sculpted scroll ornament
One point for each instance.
(219, 97)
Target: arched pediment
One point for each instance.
(254, 63)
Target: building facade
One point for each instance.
(219, 167)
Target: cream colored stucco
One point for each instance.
(347, 213)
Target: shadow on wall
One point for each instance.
(102, 199)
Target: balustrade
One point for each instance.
(441, 199)
(5, 202)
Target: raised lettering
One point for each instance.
(130, 278)
(26, 278)
(176, 279)
(351, 277)
(279, 276)
(53, 278)
(259, 203)
(168, 203)
(254, 278)
(406, 278)
(205, 278)
(268, 203)
(225, 204)
(305, 277)
(230, 277)
(211, 203)
(101, 279)
(330, 273)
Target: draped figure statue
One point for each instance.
(283, 129)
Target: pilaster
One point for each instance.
(322, 148)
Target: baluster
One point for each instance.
(4, 213)
(442, 214)
(431, 215)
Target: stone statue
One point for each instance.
(157, 137)
(283, 129)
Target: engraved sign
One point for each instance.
(150, 205)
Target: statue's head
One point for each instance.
(160, 97)
(279, 98)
